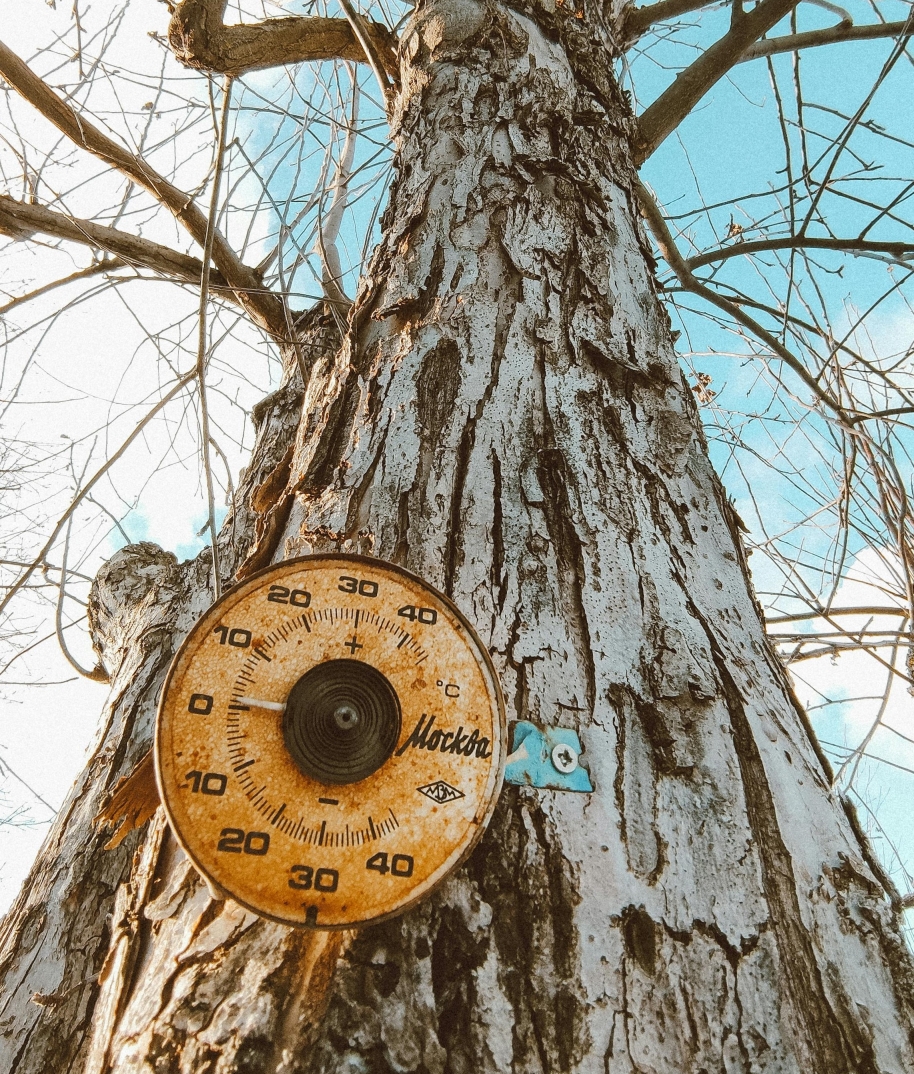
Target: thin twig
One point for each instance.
(96, 477)
(640, 19)
(201, 336)
(691, 283)
(898, 250)
(264, 307)
(362, 35)
(109, 264)
(5, 770)
(819, 613)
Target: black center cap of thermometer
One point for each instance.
(342, 721)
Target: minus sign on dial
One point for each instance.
(255, 702)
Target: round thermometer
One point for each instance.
(330, 741)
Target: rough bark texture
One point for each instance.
(506, 418)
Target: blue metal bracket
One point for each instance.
(547, 759)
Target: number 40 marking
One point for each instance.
(423, 615)
(400, 864)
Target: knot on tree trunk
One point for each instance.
(124, 593)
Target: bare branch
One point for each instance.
(329, 227)
(831, 35)
(820, 613)
(201, 337)
(640, 19)
(843, 14)
(264, 307)
(175, 389)
(690, 282)
(109, 264)
(898, 250)
(5, 770)
(662, 117)
(98, 673)
(200, 39)
(22, 221)
(359, 27)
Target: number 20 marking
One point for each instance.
(235, 841)
(280, 594)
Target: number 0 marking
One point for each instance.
(401, 865)
(326, 879)
(235, 636)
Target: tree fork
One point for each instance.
(506, 417)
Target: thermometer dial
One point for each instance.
(330, 741)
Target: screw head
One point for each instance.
(564, 758)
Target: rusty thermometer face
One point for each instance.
(330, 741)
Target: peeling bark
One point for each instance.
(505, 416)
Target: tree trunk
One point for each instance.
(506, 418)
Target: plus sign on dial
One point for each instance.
(330, 741)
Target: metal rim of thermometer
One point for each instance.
(330, 741)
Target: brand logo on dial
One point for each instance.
(441, 792)
(423, 737)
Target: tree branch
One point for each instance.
(205, 435)
(821, 613)
(264, 307)
(22, 221)
(690, 282)
(359, 27)
(831, 35)
(640, 19)
(98, 673)
(81, 494)
(201, 40)
(662, 117)
(96, 269)
(898, 250)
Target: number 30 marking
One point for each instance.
(303, 878)
(363, 586)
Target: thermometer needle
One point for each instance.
(273, 706)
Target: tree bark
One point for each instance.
(505, 416)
